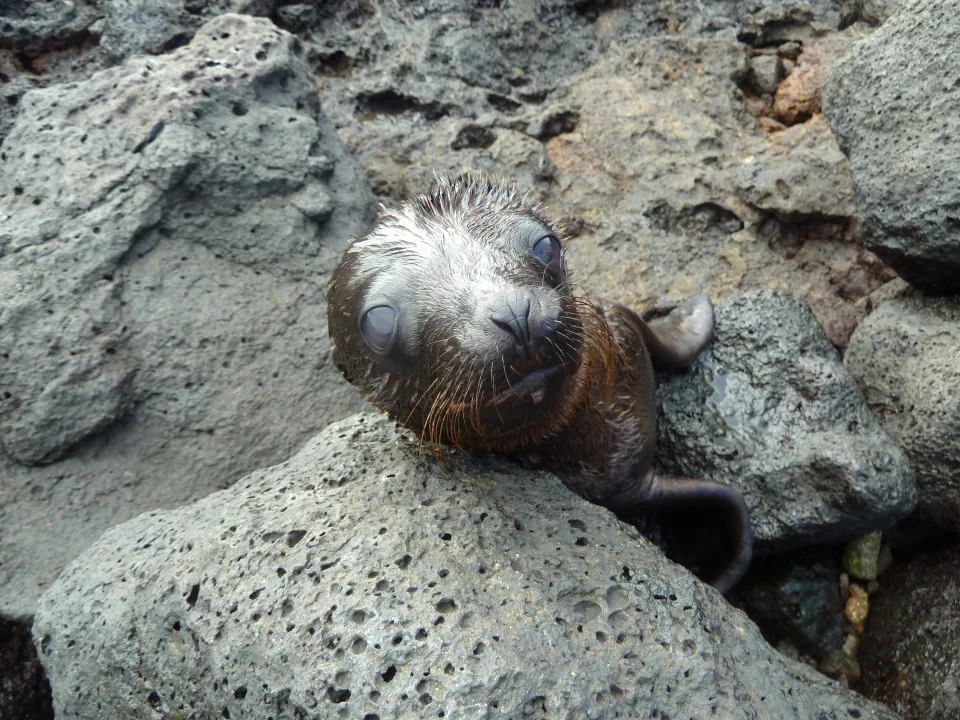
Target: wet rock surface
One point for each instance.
(890, 101)
(906, 357)
(770, 409)
(360, 578)
(166, 231)
(911, 651)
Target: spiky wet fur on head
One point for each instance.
(437, 257)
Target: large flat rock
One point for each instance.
(166, 230)
(363, 579)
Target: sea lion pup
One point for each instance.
(456, 315)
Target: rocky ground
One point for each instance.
(175, 187)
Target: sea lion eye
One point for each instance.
(547, 251)
(378, 326)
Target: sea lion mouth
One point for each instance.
(532, 388)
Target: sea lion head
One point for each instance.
(455, 314)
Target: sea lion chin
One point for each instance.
(456, 315)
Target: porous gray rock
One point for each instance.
(137, 27)
(166, 231)
(910, 652)
(906, 358)
(891, 102)
(362, 579)
(35, 28)
(769, 409)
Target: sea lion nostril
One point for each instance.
(531, 369)
(513, 317)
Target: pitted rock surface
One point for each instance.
(906, 357)
(769, 409)
(166, 232)
(362, 579)
(139, 27)
(891, 101)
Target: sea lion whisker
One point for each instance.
(592, 419)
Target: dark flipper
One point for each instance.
(704, 526)
(674, 340)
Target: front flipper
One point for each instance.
(674, 340)
(705, 527)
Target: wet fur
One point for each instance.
(442, 253)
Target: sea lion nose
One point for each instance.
(526, 319)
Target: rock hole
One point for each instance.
(578, 524)
(473, 136)
(479, 648)
(337, 695)
(239, 109)
(194, 594)
(446, 605)
(388, 674)
(559, 124)
(154, 700)
(295, 536)
(587, 610)
(404, 562)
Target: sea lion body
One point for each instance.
(456, 315)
